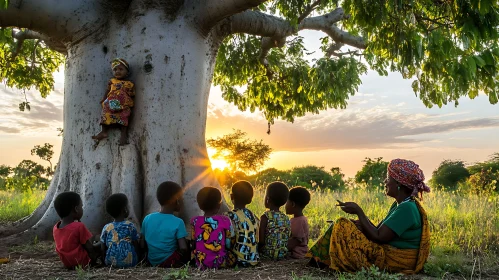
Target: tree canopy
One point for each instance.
(449, 48)
(241, 153)
(373, 173)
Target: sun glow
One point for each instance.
(216, 163)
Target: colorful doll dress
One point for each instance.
(116, 108)
(212, 236)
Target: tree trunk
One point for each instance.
(171, 64)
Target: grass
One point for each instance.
(15, 205)
(465, 228)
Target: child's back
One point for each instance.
(161, 232)
(246, 225)
(276, 235)
(299, 197)
(275, 228)
(72, 239)
(118, 238)
(69, 241)
(245, 244)
(212, 238)
(211, 233)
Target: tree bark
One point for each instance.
(171, 65)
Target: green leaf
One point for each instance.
(4, 4)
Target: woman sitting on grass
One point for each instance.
(401, 241)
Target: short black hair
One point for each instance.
(65, 202)
(278, 193)
(115, 204)
(209, 198)
(168, 192)
(242, 192)
(300, 196)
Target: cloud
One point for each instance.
(44, 113)
(9, 129)
(358, 128)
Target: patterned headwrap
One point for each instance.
(118, 61)
(409, 174)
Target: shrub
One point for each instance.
(373, 173)
(448, 174)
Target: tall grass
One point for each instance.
(15, 205)
(458, 223)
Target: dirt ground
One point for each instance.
(40, 261)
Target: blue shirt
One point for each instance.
(118, 238)
(161, 232)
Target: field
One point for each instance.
(465, 241)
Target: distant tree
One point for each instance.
(484, 182)
(269, 175)
(241, 153)
(448, 174)
(27, 168)
(492, 164)
(5, 171)
(44, 152)
(373, 173)
(313, 177)
(338, 176)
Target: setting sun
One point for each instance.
(216, 163)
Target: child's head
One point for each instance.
(69, 204)
(117, 206)
(277, 194)
(169, 194)
(120, 68)
(209, 199)
(242, 193)
(299, 197)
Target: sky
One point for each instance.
(383, 119)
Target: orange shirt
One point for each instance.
(69, 242)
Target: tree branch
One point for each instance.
(275, 30)
(29, 34)
(211, 12)
(257, 23)
(61, 20)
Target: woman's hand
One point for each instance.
(349, 207)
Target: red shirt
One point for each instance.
(69, 242)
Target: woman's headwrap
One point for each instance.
(409, 174)
(118, 61)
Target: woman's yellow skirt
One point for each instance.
(345, 248)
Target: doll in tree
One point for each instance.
(117, 103)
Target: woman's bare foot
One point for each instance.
(100, 136)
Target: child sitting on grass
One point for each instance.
(119, 239)
(211, 234)
(246, 225)
(72, 239)
(299, 197)
(163, 234)
(274, 226)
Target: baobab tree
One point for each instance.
(250, 48)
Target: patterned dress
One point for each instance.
(116, 108)
(276, 235)
(118, 238)
(345, 248)
(245, 241)
(212, 236)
